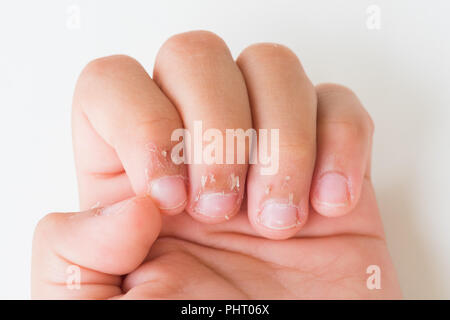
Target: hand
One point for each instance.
(153, 229)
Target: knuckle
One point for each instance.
(46, 224)
(357, 127)
(301, 142)
(145, 128)
(99, 74)
(359, 121)
(325, 89)
(191, 44)
(105, 66)
(370, 124)
(301, 149)
(268, 51)
(347, 129)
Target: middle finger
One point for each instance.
(198, 74)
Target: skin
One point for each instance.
(132, 242)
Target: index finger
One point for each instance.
(122, 125)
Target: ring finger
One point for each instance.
(281, 98)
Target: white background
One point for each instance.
(401, 72)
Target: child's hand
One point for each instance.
(321, 199)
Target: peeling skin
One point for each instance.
(288, 202)
(216, 183)
(234, 182)
(284, 202)
(204, 179)
(268, 189)
(286, 181)
(98, 212)
(96, 205)
(291, 198)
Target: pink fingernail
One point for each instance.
(278, 216)
(217, 205)
(169, 192)
(332, 190)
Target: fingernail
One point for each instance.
(169, 192)
(278, 216)
(217, 205)
(332, 190)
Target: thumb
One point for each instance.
(82, 255)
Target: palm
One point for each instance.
(327, 259)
